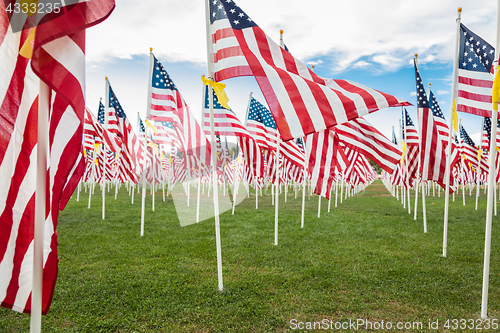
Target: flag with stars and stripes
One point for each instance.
(442, 128)
(433, 144)
(326, 160)
(167, 134)
(133, 149)
(394, 139)
(56, 57)
(412, 140)
(261, 125)
(226, 123)
(99, 134)
(300, 101)
(475, 74)
(168, 105)
(468, 148)
(358, 134)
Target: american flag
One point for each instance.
(301, 101)
(439, 120)
(226, 123)
(168, 105)
(394, 139)
(94, 128)
(322, 149)
(475, 69)
(468, 147)
(411, 140)
(485, 142)
(360, 135)
(59, 60)
(433, 145)
(261, 125)
(132, 149)
(167, 135)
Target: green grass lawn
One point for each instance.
(365, 259)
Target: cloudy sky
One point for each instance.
(370, 42)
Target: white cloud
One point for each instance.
(413, 93)
(442, 92)
(387, 31)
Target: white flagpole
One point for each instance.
(303, 198)
(448, 154)
(104, 149)
(40, 204)
(277, 194)
(92, 175)
(491, 185)
(212, 141)
(148, 113)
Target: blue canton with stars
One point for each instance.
(407, 121)
(100, 114)
(436, 110)
(394, 140)
(228, 8)
(475, 53)
(168, 124)
(487, 126)
(260, 113)
(142, 129)
(465, 137)
(113, 103)
(217, 105)
(161, 79)
(422, 101)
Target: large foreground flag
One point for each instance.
(301, 102)
(58, 59)
(475, 74)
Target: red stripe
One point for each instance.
(476, 82)
(228, 52)
(472, 110)
(163, 97)
(474, 97)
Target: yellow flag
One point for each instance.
(496, 90)
(219, 91)
(479, 154)
(27, 49)
(455, 117)
(151, 126)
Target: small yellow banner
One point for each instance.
(219, 91)
(27, 49)
(151, 126)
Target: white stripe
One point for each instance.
(65, 51)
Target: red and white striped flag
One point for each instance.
(300, 101)
(360, 135)
(58, 58)
(432, 147)
(324, 160)
(475, 74)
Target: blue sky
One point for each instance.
(370, 42)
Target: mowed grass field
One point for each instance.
(366, 259)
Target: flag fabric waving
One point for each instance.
(432, 146)
(58, 59)
(226, 123)
(301, 102)
(360, 135)
(411, 140)
(168, 105)
(475, 74)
